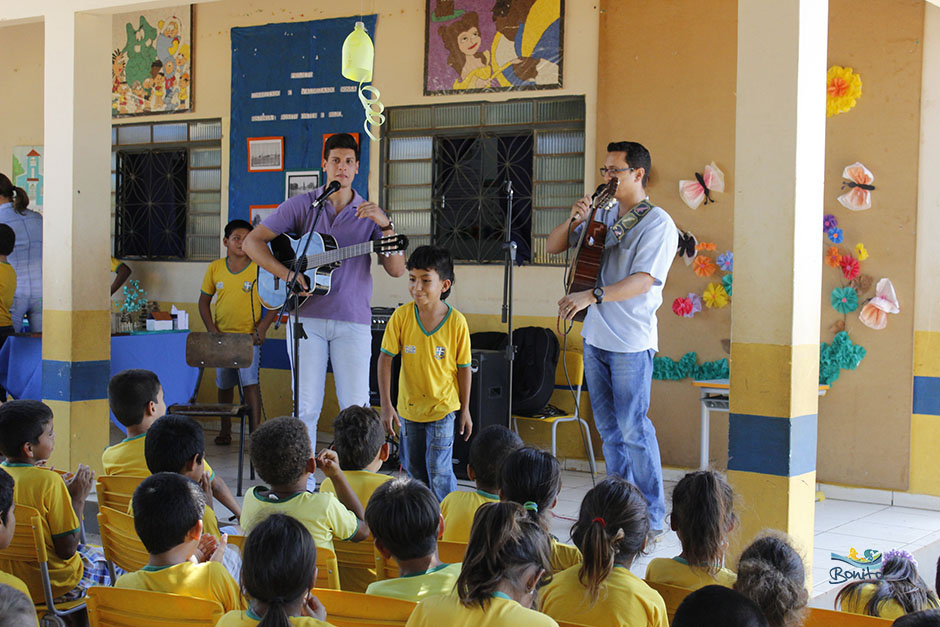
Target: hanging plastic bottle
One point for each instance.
(358, 58)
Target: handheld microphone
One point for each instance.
(597, 191)
(332, 188)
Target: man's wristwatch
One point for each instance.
(598, 294)
(389, 227)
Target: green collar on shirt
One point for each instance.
(152, 569)
(251, 614)
(427, 572)
(492, 497)
(240, 271)
(437, 328)
(15, 465)
(268, 499)
(135, 437)
(681, 560)
(502, 595)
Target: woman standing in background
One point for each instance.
(27, 255)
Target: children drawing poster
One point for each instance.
(27, 173)
(151, 62)
(493, 45)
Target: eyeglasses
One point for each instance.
(614, 171)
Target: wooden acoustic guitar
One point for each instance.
(586, 264)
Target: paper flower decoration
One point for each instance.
(858, 198)
(696, 301)
(850, 268)
(726, 282)
(844, 300)
(875, 312)
(705, 246)
(835, 235)
(687, 243)
(860, 252)
(829, 222)
(842, 354)
(704, 266)
(833, 258)
(862, 283)
(682, 307)
(843, 88)
(715, 296)
(726, 261)
(694, 192)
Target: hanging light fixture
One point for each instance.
(358, 59)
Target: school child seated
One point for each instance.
(771, 573)
(532, 478)
(611, 531)
(16, 608)
(359, 442)
(27, 439)
(507, 560)
(898, 591)
(487, 452)
(7, 527)
(923, 618)
(280, 452)
(168, 511)
(280, 568)
(702, 516)
(406, 521)
(718, 605)
(136, 399)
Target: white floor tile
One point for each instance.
(893, 534)
(907, 517)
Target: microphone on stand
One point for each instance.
(332, 188)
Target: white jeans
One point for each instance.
(31, 307)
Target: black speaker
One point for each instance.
(380, 316)
(489, 401)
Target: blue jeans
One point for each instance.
(427, 451)
(619, 386)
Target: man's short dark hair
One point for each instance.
(433, 258)
(488, 451)
(171, 442)
(7, 239)
(718, 605)
(129, 393)
(6, 495)
(166, 506)
(924, 618)
(280, 449)
(340, 140)
(404, 517)
(234, 225)
(21, 422)
(637, 156)
(358, 435)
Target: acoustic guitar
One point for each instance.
(586, 264)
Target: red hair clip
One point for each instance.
(601, 521)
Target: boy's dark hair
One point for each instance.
(280, 449)
(357, 437)
(171, 442)
(898, 581)
(166, 506)
(718, 605)
(15, 607)
(340, 140)
(21, 422)
(433, 258)
(7, 239)
(234, 225)
(129, 393)
(637, 156)
(925, 618)
(406, 518)
(488, 450)
(6, 495)
(703, 516)
(531, 474)
(771, 573)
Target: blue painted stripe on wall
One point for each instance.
(71, 381)
(785, 447)
(927, 395)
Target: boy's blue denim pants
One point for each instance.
(427, 451)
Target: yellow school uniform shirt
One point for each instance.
(248, 618)
(458, 509)
(889, 608)
(677, 572)
(624, 599)
(126, 459)
(207, 580)
(417, 586)
(45, 491)
(115, 264)
(500, 610)
(350, 555)
(7, 289)
(563, 556)
(321, 513)
(237, 294)
(427, 388)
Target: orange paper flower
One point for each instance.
(833, 258)
(704, 266)
(705, 246)
(843, 88)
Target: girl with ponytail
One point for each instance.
(611, 531)
(771, 573)
(279, 567)
(26, 257)
(899, 591)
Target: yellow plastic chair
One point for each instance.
(672, 595)
(354, 555)
(352, 609)
(122, 547)
(27, 549)
(122, 607)
(447, 552)
(116, 492)
(816, 617)
(327, 566)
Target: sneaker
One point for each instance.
(654, 536)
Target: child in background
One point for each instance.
(359, 442)
(237, 310)
(7, 527)
(717, 605)
(434, 342)
(406, 521)
(16, 609)
(121, 271)
(280, 452)
(702, 516)
(898, 591)
(280, 570)
(7, 288)
(771, 573)
(924, 618)
(532, 478)
(611, 532)
(487, 452)
(506, 562)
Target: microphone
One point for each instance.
(597, 191)
(332, 188)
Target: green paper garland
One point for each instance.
(666, 369)
(841, 355)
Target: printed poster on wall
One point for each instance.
(287, 83)
(151, 62)
(27, 173)
(493, 45)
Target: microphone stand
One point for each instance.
(510, 260)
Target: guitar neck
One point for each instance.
(339, 254)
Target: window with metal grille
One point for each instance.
(166, 190)
(445, 169)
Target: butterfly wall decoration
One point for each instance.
(858, 198)
(693, 193)
(687, 246)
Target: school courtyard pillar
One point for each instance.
(778, 178)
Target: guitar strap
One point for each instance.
(630, 219)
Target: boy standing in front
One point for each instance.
(434, 387)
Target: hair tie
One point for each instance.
(532, 506)
(601, 521)
(895, 553)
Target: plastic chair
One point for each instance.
(352, 609)
(672, 595)
(28, 549)
(122, 547)
(116, 492)
(447, 552)
(219, 350)
(122, 607)
(816, 617)
(574, 362)
(354, 555)
(327, 566)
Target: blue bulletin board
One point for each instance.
(287, 82)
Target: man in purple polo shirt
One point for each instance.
(338, 324)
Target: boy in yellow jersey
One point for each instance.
(434, 343)
(7, 526)
(7, 288)
(168, 511)
(121, 271)
(487, 452)
(359, 442)
(233, 279)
